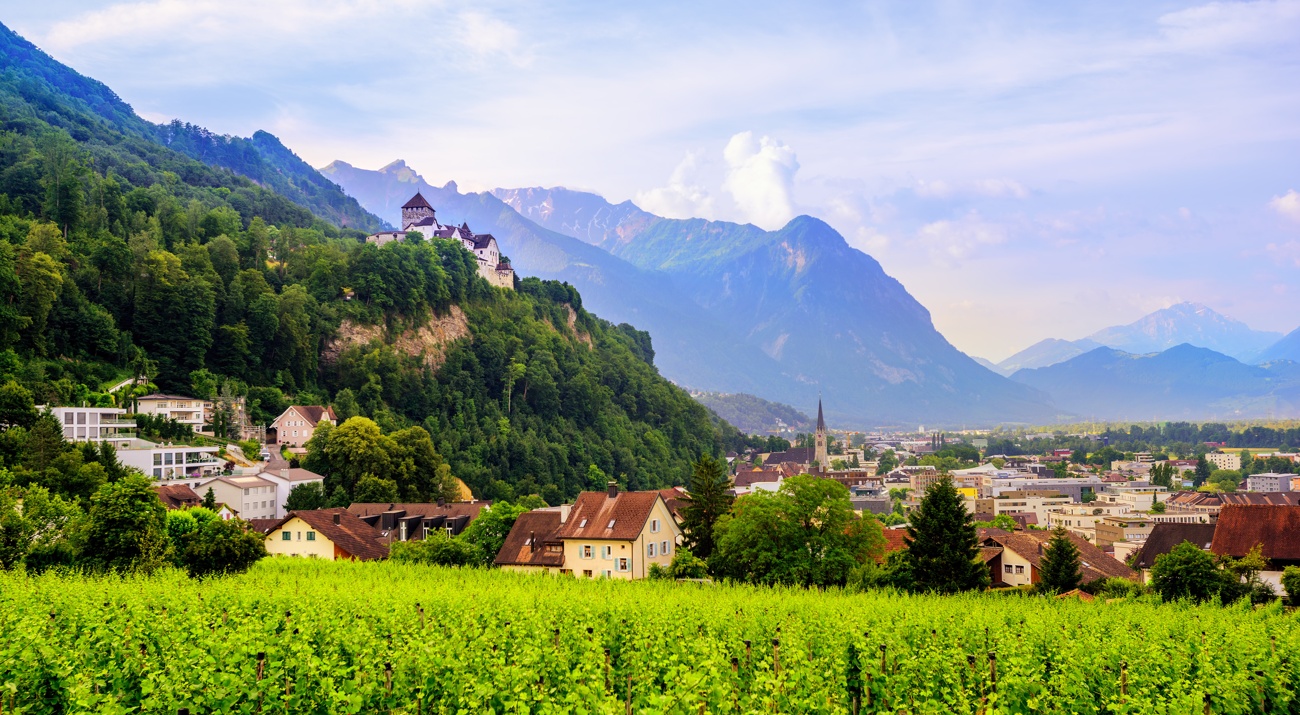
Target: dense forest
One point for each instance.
(120, 256)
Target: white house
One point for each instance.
(94, 424)
(186, 410)
(169, 461)
(298, 423)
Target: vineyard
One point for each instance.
(314, 637)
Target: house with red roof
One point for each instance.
(298, 423)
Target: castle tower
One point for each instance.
(416, 210)
(823, 459)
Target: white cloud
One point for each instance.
(1225, 24)
(760, 179)
(484, 36)
(1287, 204)
(959, 239)
(682, 197)
(981, 188)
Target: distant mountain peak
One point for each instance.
(1187, 322)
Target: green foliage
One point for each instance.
(887, 462)
(490, 528)
(40, 529)
(1001, 521)
(1291, 582)
(1188, 573)
(804, 534)
(127, 530)
(1059, 570)
(675, 641)
(706, 501)
(220, 547)
(438, 549)
(307, 497)
(942, 544)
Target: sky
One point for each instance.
(1027, 170)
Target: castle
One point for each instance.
(418, 217)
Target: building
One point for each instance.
(920, 481)
(1082, 519)
(1074, 487)
(1270, 482)
(1139, 496)
(298, 423)
(1224, 460)
(189, 411)
(418, 216)
(169, 461)
(1015, 559)
(1164, 537)
(1039, 502)
(177, 496)
(254, 497)
(415, 521)
(329, 534)
(1213, 502)
(94, 424)
(531, 545)
(1137, 526)
(285, 481)
(609, 534)
(819, 440)
(1275, 529)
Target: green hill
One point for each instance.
(119, 255)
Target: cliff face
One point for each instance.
(428, 341)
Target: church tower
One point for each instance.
(416, 210)
(823, 459)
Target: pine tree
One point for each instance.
(1203, 471)
(210, 500)
(707, 500)
(1059, 569)
(943, 544)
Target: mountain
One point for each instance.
(691, 347)
(985, 362)
(1288, 348)
(1183, 382)
(825, 312)
(1190, 323)
(753, 415)
(1044, 353)
(39, 88)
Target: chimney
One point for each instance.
(337, 518)
(442, 502)
(611, 489)
(532, 540)
(284, 474)
(402, 531)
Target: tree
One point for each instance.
(1059, 569)
(687, 565)
(706, 501)
(806, 534)
(1186, 572)
(307, 496)
(17, 409)
(489, 530)
(210, 499)
(1001, 521)
(1291, 582)
(127, 527)
(220, 547)
(373, 490)
(1203, 471)
(1162, 475)
(354, 449)
(943, 545)
(887, 463)
(437, 549)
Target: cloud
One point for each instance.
(682, 197)
(1287, 204)
(760, 179)
(959, 239)
(1226, 24)
(979, 188)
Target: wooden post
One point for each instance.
(776, 656)
(182, 711)
(557, 638)
(882, 658)
(993, 670)
(607, 670)
(388, 678)
(629, 695)
(735, 665)
(261, 667)
(1123, 681)
(1206, 710)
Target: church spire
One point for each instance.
(819, 440)
(821, 421)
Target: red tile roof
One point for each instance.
(532, 542)
(1165, 536)
(895, 540)
(675, 499)
(1276, 528)
(1093, 562)
(315, 413)
(351, 535)
(177, 496)
(594, 512)
(456, 508)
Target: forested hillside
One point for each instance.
(120, 256)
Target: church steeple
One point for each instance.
(819, 439)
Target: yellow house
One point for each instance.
(328, 534)
(604, 534)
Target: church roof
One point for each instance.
(417, 202)
(821, 421)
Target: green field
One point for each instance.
(383, 637)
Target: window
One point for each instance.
(654, 526)
(607, 552)
(663, 548)
(157, 472)
(1007, 569)
(607, 573)
(67, 418)
(623, 563)
(586, 573)
(650, 549)
(286, 536)
(586, 552)
(245, 492)
(1020, 569)
(157, 459)
(582, 524)
(611, 524)
(311, 536)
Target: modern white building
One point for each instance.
(1271, 482)
(94, 424)
(169, 461)
(186, 410)
(260, 496)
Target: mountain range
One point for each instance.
(1183, 323)
(734, 308)
(1183, 382)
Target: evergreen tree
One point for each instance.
(210, 499)
(707, 500)
(943, 544)
(1203, 471)
(1059, 569)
